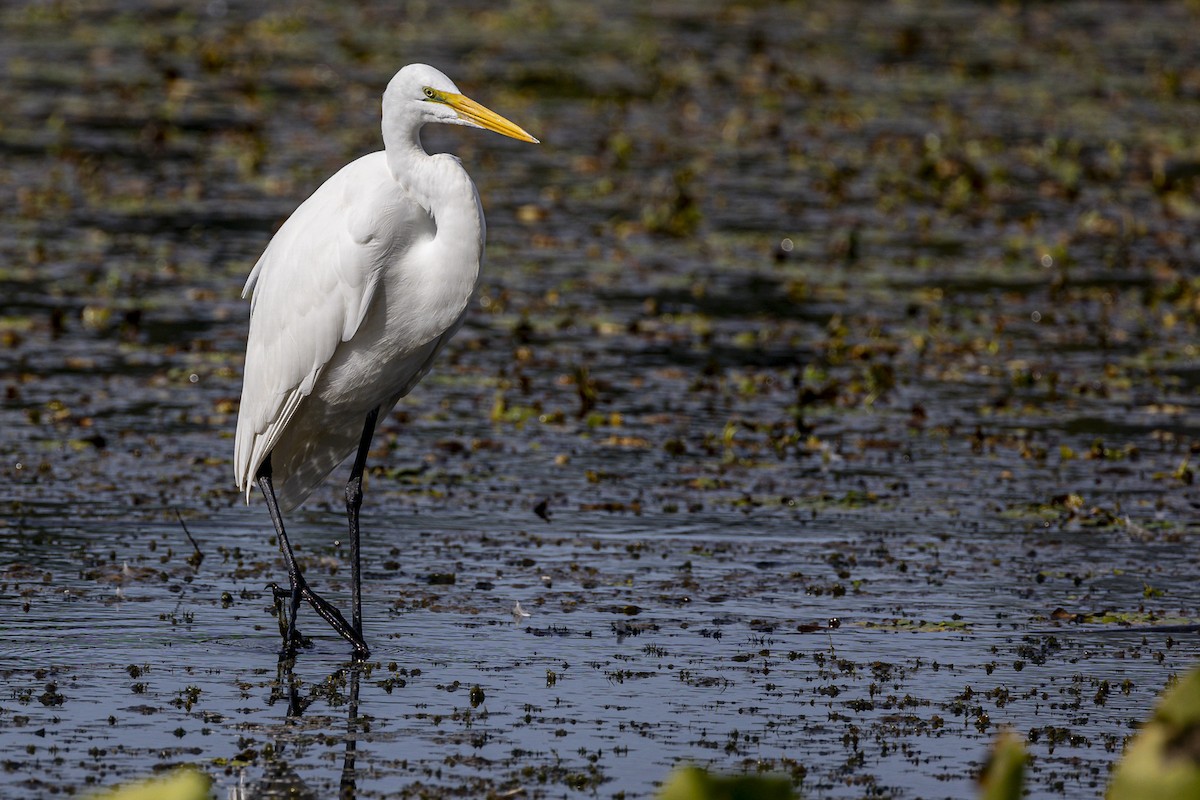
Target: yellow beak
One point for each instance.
(476, 114)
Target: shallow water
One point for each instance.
(851, 349)
(638, 651)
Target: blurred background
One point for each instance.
(878, 311)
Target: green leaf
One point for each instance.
(694, 783)
(1005, 771)
(1163, 760)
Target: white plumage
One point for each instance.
(355, 295)
(358, 291)
(352, 298)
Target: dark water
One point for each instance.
(875, 314)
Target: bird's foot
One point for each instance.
(335, 619)
(286, 617)
(327, 611)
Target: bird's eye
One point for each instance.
(430, 93)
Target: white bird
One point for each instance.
(350, 303)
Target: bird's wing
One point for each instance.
(311, 289)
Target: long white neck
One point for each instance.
(440, 185)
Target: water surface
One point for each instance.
(847, 352)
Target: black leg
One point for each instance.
(299, 587)
(287, 619)
(354, 497)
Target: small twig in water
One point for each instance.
(197, 556)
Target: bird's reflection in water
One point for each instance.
(279, 779)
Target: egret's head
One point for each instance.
(423, 94)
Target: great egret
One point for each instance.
(350, 303)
